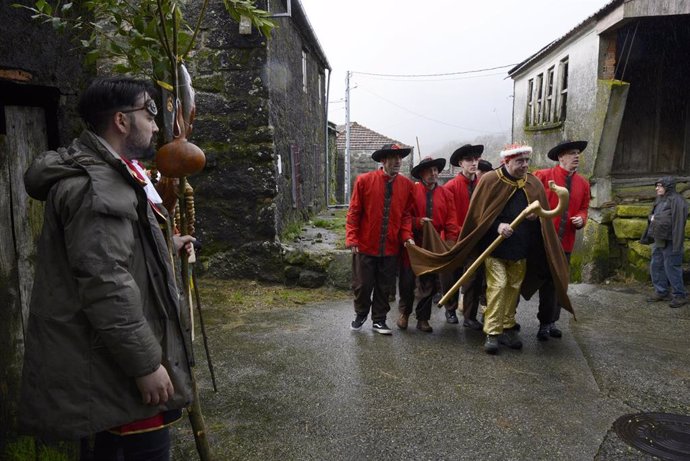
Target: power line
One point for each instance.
(428, 118)
(435, 75)
(419, 80)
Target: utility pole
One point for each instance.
(346, 186)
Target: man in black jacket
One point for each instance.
(667, 230)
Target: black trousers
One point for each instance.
(549, 305)
(422, 288)
(373, 278)
(472, 291)
(447, 280)
(145, 446)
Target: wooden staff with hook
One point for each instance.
(533, 207)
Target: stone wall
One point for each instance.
(260, 131)
(629, 222)
(298, 115)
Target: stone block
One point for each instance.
(637, 261)
(630, 229)
(292, 275)
(590, 263)
(340, 269)
(311, 279)
(295, 257)
(633, 211)
(602, 215)
(635, 192)
(640, 249)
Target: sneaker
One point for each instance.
(358, 322)
(543, 333)
(382, 328)
(554, 331)
(451, 316)
(678, 301)
(511, 339)
(472, 324)
(491, 344)
(656, 297)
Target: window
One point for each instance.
(563, 88)
(530, 100)
(548, 107)
(304, 71)
(539, 97)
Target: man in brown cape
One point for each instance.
(519, 258)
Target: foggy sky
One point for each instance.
(434, 37)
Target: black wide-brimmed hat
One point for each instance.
(389, 149)
(485, 166)
(564, 146)
(466, 151)
(428, 162)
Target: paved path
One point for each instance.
(297, 384)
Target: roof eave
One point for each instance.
(606, 9)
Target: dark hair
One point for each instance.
(105, 95)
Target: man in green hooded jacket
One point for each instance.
(105, 358)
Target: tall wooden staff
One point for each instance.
(179, 159)
(533, 207)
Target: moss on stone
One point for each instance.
(632, 228)
(637, 257)
(212, 83)
(645, 192)
(633, 211)
(590, 263)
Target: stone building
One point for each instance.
(262, 122)
(618, 80)
(363, 143)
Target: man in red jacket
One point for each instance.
(567, 154)
(432, 204)
(461, 187)
(378, 222)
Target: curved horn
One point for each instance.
(563, 197)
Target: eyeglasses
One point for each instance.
(149, 106)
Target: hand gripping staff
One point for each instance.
(533, 207)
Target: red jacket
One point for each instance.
(365, 223)
(443, 215)
(459, 188)
(578, 204)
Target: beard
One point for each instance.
(137, 148)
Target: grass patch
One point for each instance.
(291, 231)
(242, 296)
(334, 223)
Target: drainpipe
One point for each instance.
(327, 148)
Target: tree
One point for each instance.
(144, 37)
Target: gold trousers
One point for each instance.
(503, 280)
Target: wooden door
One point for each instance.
(21, 219)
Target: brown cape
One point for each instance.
(488, 200)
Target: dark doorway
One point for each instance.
(655, 133)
